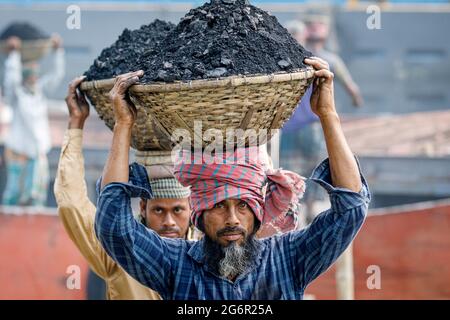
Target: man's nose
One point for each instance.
(232, 218)
(169, 221)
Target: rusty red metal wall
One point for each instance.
(412, 248)
(35, 253)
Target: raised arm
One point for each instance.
(343, 74)
(51, 80)
(116, 168)
(75, 209)
(344, 169)
(13, 70)
(140, 251)
(317, 247)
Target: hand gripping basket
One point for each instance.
(261, 102)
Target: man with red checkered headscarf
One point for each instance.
(231, 197)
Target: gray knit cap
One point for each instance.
(168, 188)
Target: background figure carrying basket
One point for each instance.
(302, 135)
(28, 140)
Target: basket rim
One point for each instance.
(233, 81)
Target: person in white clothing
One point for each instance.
(28, 139)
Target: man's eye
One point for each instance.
(158, 210)
(243, 205)
(177, 210)
(219, 205)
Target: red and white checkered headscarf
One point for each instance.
(245, 174)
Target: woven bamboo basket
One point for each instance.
(31, 50)
(263, 102)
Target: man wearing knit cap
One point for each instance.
(167, 213)
(230, 199)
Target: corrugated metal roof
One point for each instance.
(410, 135)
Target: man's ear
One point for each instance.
(201, 223)
(143, 207)
(257, 225)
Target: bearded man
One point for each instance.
(230, 201)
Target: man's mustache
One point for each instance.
(169, 230)
(226, 230)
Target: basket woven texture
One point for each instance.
(237, 102)
(31, 50)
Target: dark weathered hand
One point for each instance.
(77, 104)
(124, 110)
(322, 98)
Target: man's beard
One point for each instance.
(234, 259)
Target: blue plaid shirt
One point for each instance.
(175, 268)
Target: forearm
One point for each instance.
(138, 250)
(75, 209)
(57, 72)
(13, 73)
(51, 80)
(344, 169)
(342, 74)
(70, 185)
(116, 168)
(353, 91)
(76, 123)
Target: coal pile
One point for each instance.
(118, 58)
(24, 31)
(223, 38)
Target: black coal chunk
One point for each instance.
(24, 31)
(122, 55)
(223, 38)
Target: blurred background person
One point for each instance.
(298, 30)
(316, 36)
(5, 119)
(28, 139)
(302, 134)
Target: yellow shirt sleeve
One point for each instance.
(75, 209)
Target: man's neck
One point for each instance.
(233, 278)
